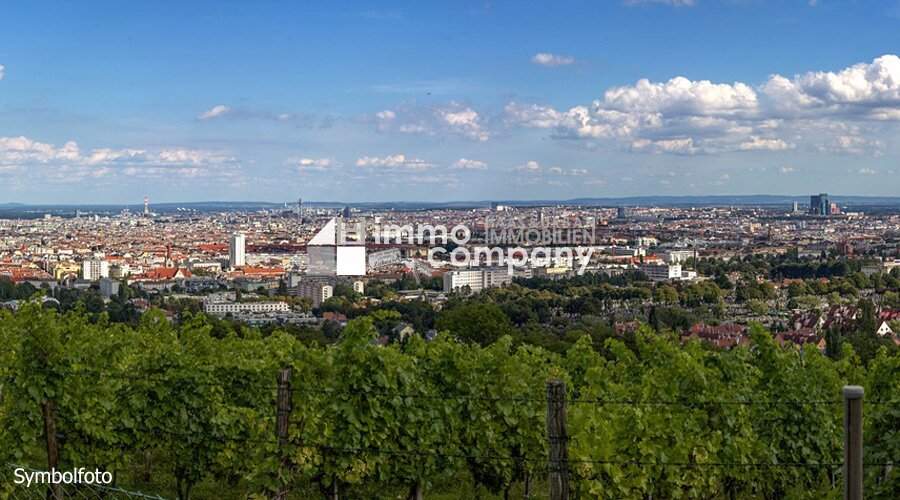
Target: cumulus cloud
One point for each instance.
(866, 171)
(761, 144)
(871, 90)
(2, 71)
(214, 112)
(852, 144)
(314, 164)
(682, 96)
(70, 162)
(548, 59)
(386, 115)
(786, 169)
(466, 164)
(449, 119)
(684, 146)
(529, 166)
(572, 171)
(465, 121)
(683, 116)
(393, 162)
(534, 167)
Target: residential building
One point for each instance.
(94, 269)
(237, 252)
(223, 308)
(661, 272)
(476, 279)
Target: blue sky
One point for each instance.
(362, 101)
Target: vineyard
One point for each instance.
(176, 412)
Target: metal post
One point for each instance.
(853, 442)
(48, 409)
(558, 440)
(282, 422)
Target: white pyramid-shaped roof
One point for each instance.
(327, 235)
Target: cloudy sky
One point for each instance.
(111, 101)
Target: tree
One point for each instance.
(666, 294)
(758, 307)
(482, 323)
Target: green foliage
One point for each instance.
(482, 323)
(186, 411)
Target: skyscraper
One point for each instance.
(237, 256)
(819, 204)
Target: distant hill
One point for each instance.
(659, 201)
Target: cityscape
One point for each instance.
(644, 249)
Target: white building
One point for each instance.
(677, 256)
(661, 272)
(476, 279)
(94, 269)
(237, 252)
(330, 254)
(223, 308)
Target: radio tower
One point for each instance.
(146, 206)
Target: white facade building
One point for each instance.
(223, 308)
(661, 272)
(677, 256)
(476, 279)
(94, 269)
(237, 251)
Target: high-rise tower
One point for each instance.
(237, 256)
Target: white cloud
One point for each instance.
(449, 119)
(386, 115)
(69, 162)
(533, 115)
(683, 116)
(578, 172)
(682, 96)
(684, 145)
(866, 171)
(2, 71)
(852, 144)
(866, 89)
(673, 3)
(761, 144)
(214, 112)
(547, 59)
(396, 161)
(465, 121)
(529, 166)
(466, 164)
(787, 169)
(314, 164)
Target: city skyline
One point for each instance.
(105, 105)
